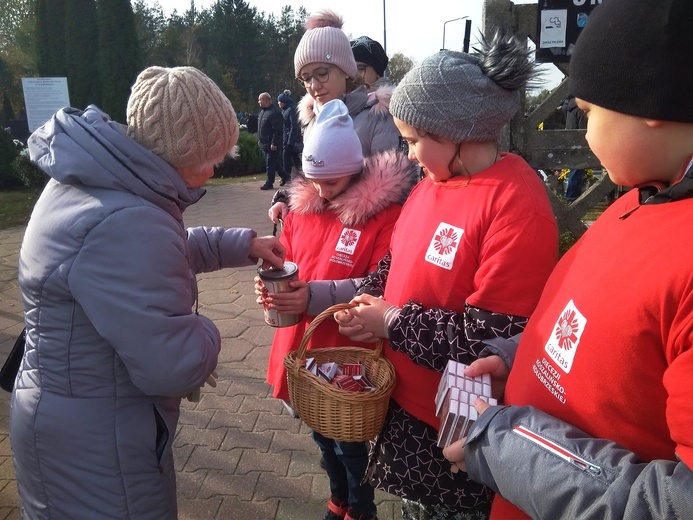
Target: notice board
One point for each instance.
(43, 97)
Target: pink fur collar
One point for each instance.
(386, 179)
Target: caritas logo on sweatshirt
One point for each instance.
(444, 244)
(348, 240)
(565, 336)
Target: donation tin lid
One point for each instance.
(273, 273)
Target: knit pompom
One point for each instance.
(325, 42)
(506, 60)
(326, 18)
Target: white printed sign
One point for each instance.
(43, 97)
(553, 28)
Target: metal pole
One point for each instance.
(445, 23)
(467, 31)
(384, 30)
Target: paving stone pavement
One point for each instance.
(238, 454)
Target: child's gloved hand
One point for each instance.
(196, 395)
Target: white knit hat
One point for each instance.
(325, 42)
(182, 116)
(332, 148)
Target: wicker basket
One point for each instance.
(335, 413)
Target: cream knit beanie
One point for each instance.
(332, 148)
(325, 42)
(182, 116)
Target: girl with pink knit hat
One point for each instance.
(325, 66)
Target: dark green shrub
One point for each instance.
(249, 159)
(8, 153)
(565, 242)
(28, 173)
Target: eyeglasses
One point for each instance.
(321, 75)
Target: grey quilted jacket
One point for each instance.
(107, 276)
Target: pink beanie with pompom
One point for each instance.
(325, 42)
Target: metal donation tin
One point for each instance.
(277, 281)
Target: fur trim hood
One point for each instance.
(387, 178)
(358, 100)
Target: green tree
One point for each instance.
(150, 22)
(280, 38)
(7, 110)
(5, 83)
(81, 55)
(398, 66)
(17, 25)
(119, 54)
(168, 42)
(50, 38)
(231, 42)
(14, 15)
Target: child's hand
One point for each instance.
(279, 210)
(495, 366)
(293, 302)
(455, 452)
(365, 321)
(260, 291)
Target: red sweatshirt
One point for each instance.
(609, 346)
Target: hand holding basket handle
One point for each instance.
(335, 413)
(329, 313)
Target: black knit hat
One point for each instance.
(285, 98)
(370, 52)
(634, 57)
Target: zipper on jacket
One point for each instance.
(554, 448)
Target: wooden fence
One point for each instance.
(547, 150)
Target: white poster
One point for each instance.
(43, 97)
(553, 28)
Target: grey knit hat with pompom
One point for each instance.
(460, 97)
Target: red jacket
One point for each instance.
(342, 239)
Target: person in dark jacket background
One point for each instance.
(293, 139)
(575, 119)
(269, 136)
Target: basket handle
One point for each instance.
(328, 313)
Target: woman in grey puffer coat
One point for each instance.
(107, 275)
